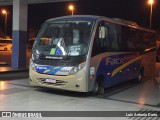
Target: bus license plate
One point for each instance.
(49, 80)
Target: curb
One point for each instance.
(14, 71)
(3, 64)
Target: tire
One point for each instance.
(98, 88)
(139, 79)
(140, 76)
(95, 89)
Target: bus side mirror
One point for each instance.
(102, 32)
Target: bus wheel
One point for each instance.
(101, 90)
(95, 89)
(98, 88)
(140, 75)
(5, 49)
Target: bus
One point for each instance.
(5, 44)
(86, 53)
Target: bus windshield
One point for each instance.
(64, 38)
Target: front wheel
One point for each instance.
(98, 88)
(95, 89)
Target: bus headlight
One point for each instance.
(77, 68)
(32, 65)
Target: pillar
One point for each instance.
(19, 34)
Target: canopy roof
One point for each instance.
(10, 2)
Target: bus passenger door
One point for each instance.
(100, 53)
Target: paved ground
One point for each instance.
(5, 57)
(17, 95)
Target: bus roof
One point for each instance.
(94, 17)
(75, 17)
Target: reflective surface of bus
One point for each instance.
(90, 53)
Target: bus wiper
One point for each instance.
(66, 58)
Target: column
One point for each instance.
(19, 34)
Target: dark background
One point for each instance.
(133, 10)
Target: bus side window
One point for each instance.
(100, 40)
(102, 32)
(133, 40)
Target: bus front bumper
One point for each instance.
(75, 82)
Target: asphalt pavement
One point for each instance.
(16, 94)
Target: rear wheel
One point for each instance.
(140, 75)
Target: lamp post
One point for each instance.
(151, 3)
(4, 12)
(71, 8)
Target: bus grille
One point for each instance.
(58, 82)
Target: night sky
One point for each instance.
(133, 10)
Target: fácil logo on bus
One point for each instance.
(114, 61)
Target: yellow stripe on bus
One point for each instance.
(124, 65)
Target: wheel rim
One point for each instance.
(96, 87)
(139, 77)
